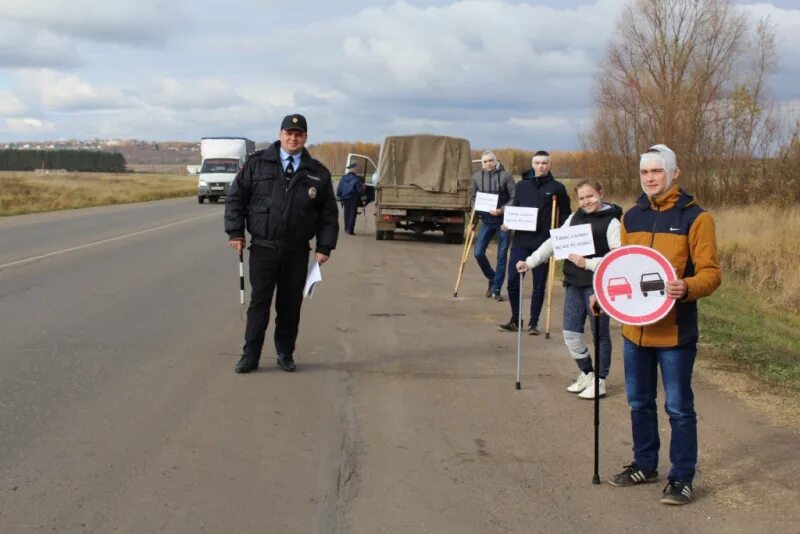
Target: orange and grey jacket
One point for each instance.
(684, 233)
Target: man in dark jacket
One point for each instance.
(350, 192)
(536, 190)
(495, 180)
(284, 198)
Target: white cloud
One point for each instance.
(145, 22)
(27, 126)
(540, 123)
(10, 105)
(33, 47)
(59, 92)
(204, 93)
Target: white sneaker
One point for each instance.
(588, 393)
(581, 383)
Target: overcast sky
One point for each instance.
(500, 73)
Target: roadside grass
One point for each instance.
(25, 192)
(747, 333)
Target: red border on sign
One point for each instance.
(606, 304)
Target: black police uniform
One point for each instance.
(282, 215)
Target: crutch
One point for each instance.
(519, 330)
(551, 273)
(465, 252)
(596, 478)
(241, 275)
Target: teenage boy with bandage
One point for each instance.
(669, 220)
(537, 189)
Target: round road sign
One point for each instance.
(630, 284)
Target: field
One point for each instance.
(26, 192)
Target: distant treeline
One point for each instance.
(71, 160)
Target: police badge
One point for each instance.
(312, 193)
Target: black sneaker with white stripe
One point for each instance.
(632, 475)
(677, 492)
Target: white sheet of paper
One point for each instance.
(314, 276)
(572, 240)
(486, 202)
(518, 218)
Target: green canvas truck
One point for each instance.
(422, 185)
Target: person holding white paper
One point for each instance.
(536, 190)
(495, 180)
(578, 272)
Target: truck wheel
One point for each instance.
(201, 199)
(379, 235)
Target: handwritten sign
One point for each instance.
(486, 202)
(517, 218)
(572, 240)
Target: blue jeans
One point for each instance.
(641, 379)
(485, 235)
(539, 275)
(576, 309)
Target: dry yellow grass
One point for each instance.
(25, 192)
(758, 248)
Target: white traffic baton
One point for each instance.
(241, 275)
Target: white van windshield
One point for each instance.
(220, 165)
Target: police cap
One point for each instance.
(294, 122)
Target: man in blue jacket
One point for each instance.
(349, 192)
(536, 190)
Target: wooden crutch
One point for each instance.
(551, 275)
(465, 252)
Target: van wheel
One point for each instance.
(201, 199)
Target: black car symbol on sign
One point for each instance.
(651, 282)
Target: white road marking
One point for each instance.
(101, 242)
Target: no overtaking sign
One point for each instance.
(630, 284)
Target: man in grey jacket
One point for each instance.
(495, 180)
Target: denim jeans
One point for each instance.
(641, 379)
(576, 309)
(485, 235)
(539, 275)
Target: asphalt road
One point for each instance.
(120, 411)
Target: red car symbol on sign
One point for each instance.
(618, 287)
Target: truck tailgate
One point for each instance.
(410, 196)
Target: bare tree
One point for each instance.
(691, 74)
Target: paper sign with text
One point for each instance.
(572, 240)
(517, 218)
(486, 202)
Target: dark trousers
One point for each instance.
(350, 206)
(285, 270)
(539, 275)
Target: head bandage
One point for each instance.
(665, 157)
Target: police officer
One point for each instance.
(283, 197)
(350, 192)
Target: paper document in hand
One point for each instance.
(576, 239)
(314, 276)
(519, 218)
(486, 202)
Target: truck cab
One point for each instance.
(222, 157)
